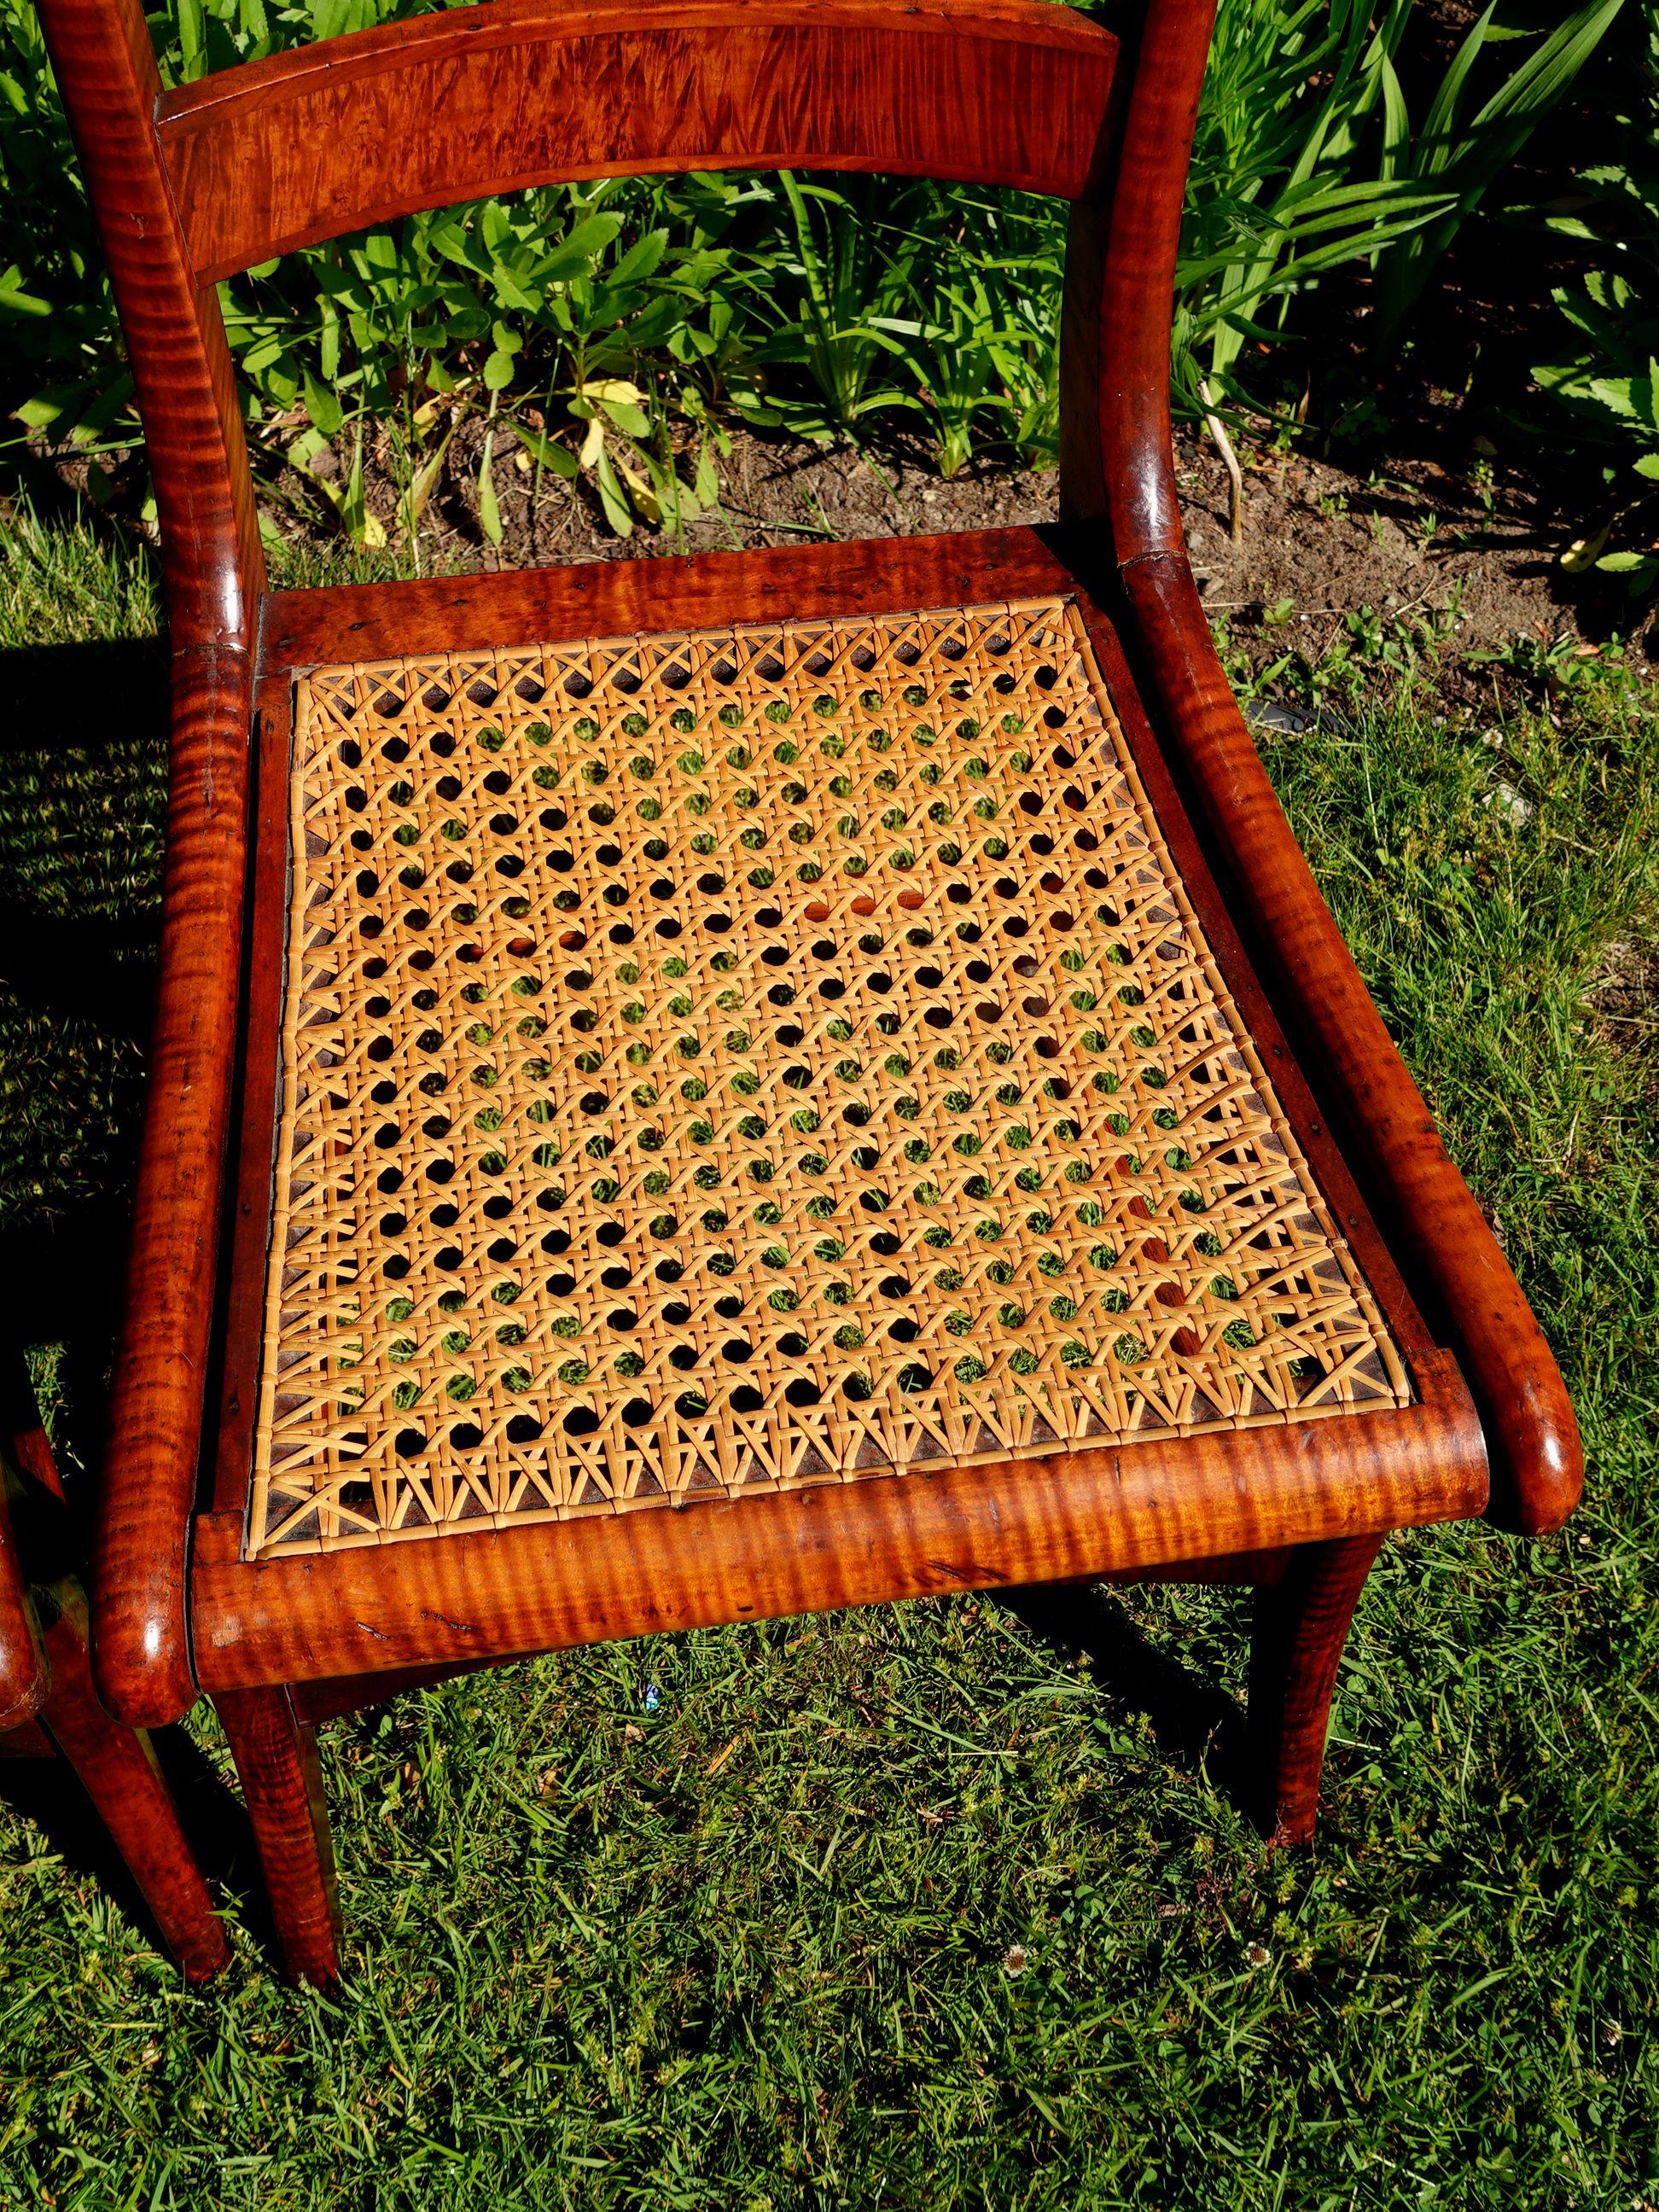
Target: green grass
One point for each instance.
(909, 1908)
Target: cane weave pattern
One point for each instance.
(720, 1062)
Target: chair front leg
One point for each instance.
(276, 1755)
(1301, 1625)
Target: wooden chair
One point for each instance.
(753, 1082)
(48, 1707)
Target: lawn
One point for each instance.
(922, 1907)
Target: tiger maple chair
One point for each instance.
(746, 1084)
(48, 1707)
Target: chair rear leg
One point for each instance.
(1301, 1625)
(275, 1755)
(117, 1768)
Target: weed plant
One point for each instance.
(620, 327)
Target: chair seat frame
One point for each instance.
(194, 184)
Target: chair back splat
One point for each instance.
(304, 1561)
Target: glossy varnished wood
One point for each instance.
(23, 1663)
(414, 1603)
(26, 1462)
(308, 144)
(520, 91)
(107, 74)
(954, 1526)
(1453, 1261)
(609, 598)
(1452, 1257)
(214, 572)
(150, 1463)
(43, 1607)
(276, 1755)
(117, 1767)
(1297, 1641)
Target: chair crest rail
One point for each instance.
(308, 145)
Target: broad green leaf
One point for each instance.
(579, 249)
(323, 407)
(548, 452)
(15, 300)
(611, 496)
(632, 422)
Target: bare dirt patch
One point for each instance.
(1471, 540)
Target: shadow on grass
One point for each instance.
(81, 696)
(1194, 1724)
(80, 727)
(60, 1283)
(82, 746)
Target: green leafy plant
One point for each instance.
(607, 330)
(1306, 160)
(844, 277)
(1608, 378)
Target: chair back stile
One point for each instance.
(214, 568)
(214, 572)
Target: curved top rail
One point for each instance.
(477, 101)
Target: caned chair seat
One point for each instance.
(755, 1097)
(775, 1054)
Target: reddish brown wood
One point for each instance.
(26, 1740)
(1250, 1569)
(609, 598)
(117, 1768)
(276, 1755)
(149, 1476)
(1301, 1626)
(24, 1430)
(307, 145)
(526, 90)
(318, 1702)
(1330, 1168)
(245, 1291)
(1137, 289)
(23, 1663)
(106, 72)
(26, 1462)
(376, 1608)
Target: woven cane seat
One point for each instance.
(720, 1062)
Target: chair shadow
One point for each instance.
(91, 970)
(1194, 1724)
(99, 710)
(61, 1281)
(62, 695)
